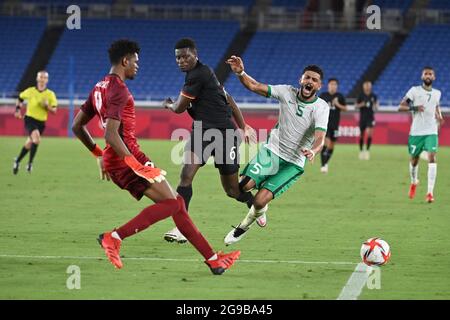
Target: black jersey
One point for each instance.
(335, 113)
(367, 111)
(209, 102)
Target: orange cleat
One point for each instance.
(429, 198)
(112, 248)
(412, 190)
(223, 262)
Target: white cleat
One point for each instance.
(361, 155)
(175, 235)
(367, 155)
(234, 235)
(324, 169)
(262, 220)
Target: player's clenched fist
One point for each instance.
(236, 64)
(150, 174)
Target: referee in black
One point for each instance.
(336, 102)
(211, 107)
(367, 103)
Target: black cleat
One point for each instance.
(29, 167)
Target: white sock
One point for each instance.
(413, 173)
(251, 217)
(432, 172)
(115, 235)
(214, 257)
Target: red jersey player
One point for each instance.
(128, 167)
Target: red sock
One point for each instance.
(190, 231)
(149, 216)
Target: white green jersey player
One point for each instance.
(298, 136)
(423, 102)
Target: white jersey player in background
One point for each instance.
(298, 135)
(423, 102)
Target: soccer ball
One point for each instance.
(375, 252)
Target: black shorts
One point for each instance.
(32, 124)
(332, 133)
(222, 144)
(366, 122)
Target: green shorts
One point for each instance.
(417, 144)
(271, 172)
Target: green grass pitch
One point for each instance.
(51, 218)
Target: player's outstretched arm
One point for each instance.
(82, 133)
(249, 132)
(178, 106)
(237, 66)
(113, 138)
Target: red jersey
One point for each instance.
(110, 98)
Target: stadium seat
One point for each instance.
(405, 68)
(19, 38)
(279, 58)
(159, 76)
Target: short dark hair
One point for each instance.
(428, 68)
(314, 68)
(333, 79)
(185, 43)
(121, 48)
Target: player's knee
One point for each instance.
(432, 158)
(260, 202)
(245, 184)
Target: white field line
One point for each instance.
(15, 256)
(355, 283)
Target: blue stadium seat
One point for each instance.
(439, 4)
(19, 38)
(402, 5)
(244, 3)
(289, 3)
(426, 45)
(159, 76)
(279, 58)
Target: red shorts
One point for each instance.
(124, 177)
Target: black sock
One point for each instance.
(329, 153)
(246, 197)
(22, 154)
(33, 150)
(369, 142)
(361, 143)
(186, 193)
(323, 155)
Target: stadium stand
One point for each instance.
(439, 4)
(243, 3)
(405, 68)
(402, 5)
(19, 38)
(289, 3)
(279, 57)
(159, 75)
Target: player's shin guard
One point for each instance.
(190, 231)
(33, 151)
(22, 154)
(149, 216)
(323, 156)
(432, 172)
(369, 143)
(186, 193)
(413, 173)
(361, 143)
